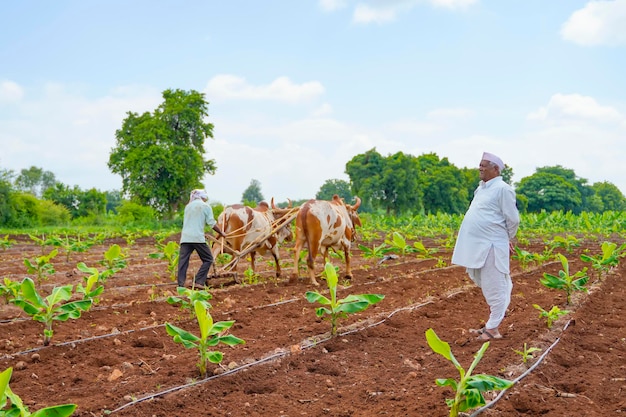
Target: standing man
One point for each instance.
(197, 214)
(484, 241)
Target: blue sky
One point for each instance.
(297, 88)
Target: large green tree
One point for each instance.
(443, 185)
(160, 155)
(587, 203)
(365, 171)
(611, 197)
(549, 192)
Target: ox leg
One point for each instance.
(252, 259)
(346, 251)
(296, 261)
(276, 260)
(310, 263)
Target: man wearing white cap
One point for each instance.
(197, 214)
(484, 241)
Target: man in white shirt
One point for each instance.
(484, 241)
(197, 214)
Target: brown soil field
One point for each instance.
(117, 358)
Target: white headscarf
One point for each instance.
(198, 194)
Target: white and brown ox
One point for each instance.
(325, 224)
(245, 226)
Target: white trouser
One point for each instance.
(496, 287)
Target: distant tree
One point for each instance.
(332, 187)
(252, 194)
(399, 191)
(550, 192)
(584, 190)
(113, 200)
(78, 202)
(365, 171)
(611, 197)
(160, 155)
(34, 180)
(7, 211)
(444, 186)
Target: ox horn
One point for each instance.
(357, 204)
(273, 205)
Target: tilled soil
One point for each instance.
(118, 359)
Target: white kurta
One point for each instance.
(491, 221)
(482, 245)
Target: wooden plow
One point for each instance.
(226, 271)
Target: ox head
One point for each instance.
(352, 213)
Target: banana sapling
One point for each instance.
(339, 308)
(469, 389)
(54, 307)
(565, 281)
(17, 407)
(211, 334)
(552, 315)
(41, 265)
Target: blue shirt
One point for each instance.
(197, 215)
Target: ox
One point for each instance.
(322, 225)
(245, 226)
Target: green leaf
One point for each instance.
(64, 410)
(315, 297)
(440, 347)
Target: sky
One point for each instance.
(296, 89)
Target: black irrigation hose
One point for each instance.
(309, 343)
(102, 336)
(519, 378)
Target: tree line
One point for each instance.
(160, 153)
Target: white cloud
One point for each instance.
(566, 107)
(450, 114)
(388, 11)
(367, 14)
(228, 86)
(332, 5)
(10, 91)
(598, 23)
(69, 134)
(323, 110)
(453, 4)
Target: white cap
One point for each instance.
(493, 158)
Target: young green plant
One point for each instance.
(188, 296)
(11, 405)
(526, 353)
(609, 258)
(91, 290)
(114, 261)
(565, 281)
(552, 315)
(41, 265)
(339, 308)
(469, 388)
(170, 252)
(6, 243)
(54, 307)
(211, 334)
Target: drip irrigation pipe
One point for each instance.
(519, 378)
(309, 343)
(102, 336)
